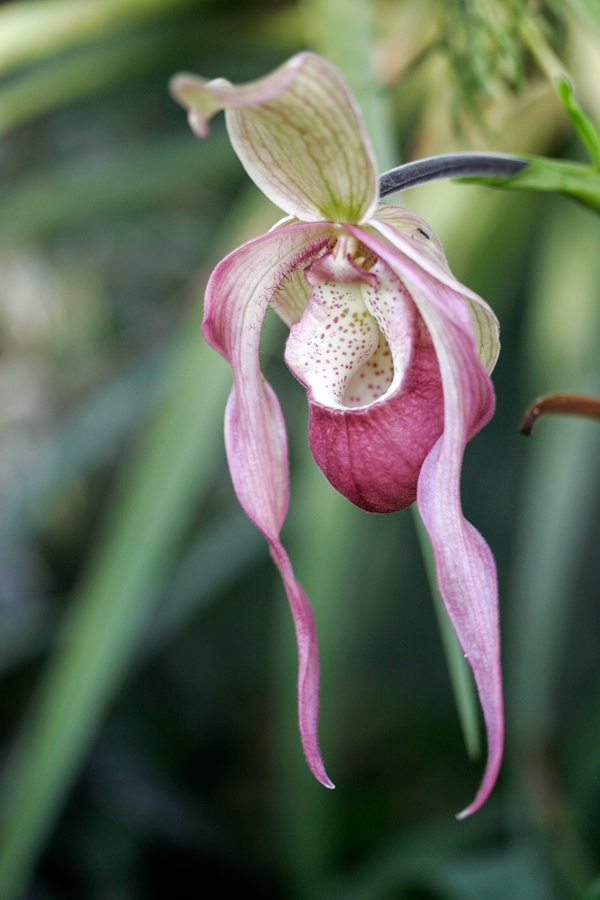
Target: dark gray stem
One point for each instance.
(448, 165)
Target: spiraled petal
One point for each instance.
(298, 133)
(237, 297)
(465, 567)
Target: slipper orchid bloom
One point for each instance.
(394, 352)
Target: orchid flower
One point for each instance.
(395, 354)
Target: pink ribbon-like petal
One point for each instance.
(237, 297)
(465, 567)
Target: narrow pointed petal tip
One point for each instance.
(308, 662)
(487, 784)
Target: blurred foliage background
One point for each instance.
(148, 666)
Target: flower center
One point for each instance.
(341, 349)
(334, 338)
(373, 379)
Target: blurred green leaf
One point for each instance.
(33, 29)
(216, 558)
(439, 863)
(65, 81)
(584, 126)
(82, 442)
(562, 476)
(593, 892)
(558, 503)
(154, 504)
(133, 177)
(587, 12)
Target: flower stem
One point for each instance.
(448, 165)
(463, 685)
(569, 404)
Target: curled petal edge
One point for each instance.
(204, 98)
(486, 330)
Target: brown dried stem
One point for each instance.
(569, 404)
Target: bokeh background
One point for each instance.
(149, 744)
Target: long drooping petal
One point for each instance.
(465, 567)
(237, 297)
(298, 133)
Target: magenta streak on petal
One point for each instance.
(465, 567)
(237, 298)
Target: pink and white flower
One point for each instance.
(394, 352)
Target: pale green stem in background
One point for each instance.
(461, 676)
(531, 34)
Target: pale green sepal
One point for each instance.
(583, 125)
(486, 334)
(298, 133)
